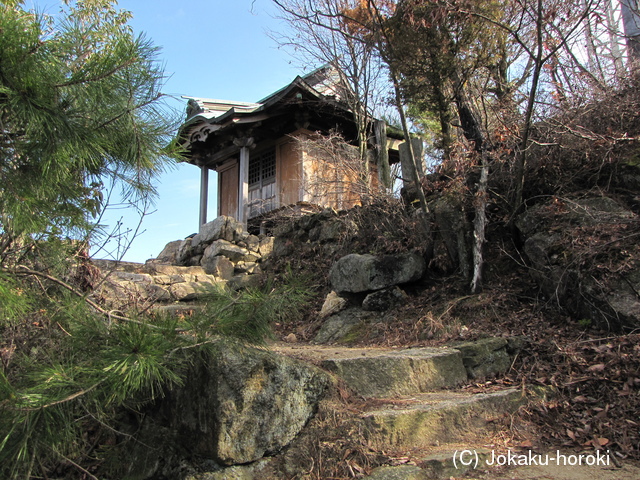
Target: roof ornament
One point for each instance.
(193, 108)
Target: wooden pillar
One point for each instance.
(245, 144)
(384, 170)
(408, 175)
(204, 194)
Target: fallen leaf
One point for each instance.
(596, 368)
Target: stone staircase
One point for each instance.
(415, 403)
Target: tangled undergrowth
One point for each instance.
(593, 372)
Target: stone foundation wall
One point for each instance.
(221, 254)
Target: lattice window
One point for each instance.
(262, 181)
(262, 168)
(254, 171)
(269, 165)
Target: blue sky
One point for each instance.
(209, 48)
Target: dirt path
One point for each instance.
(555, 472)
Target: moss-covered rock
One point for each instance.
(438, 418)
(400, 472)
(237, 405)
(385, 374)
(487, 357)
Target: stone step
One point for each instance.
(451, 463)
(441, 467)
(177, 309)
(381, 374)
(399, 472)
(432, 419)
(442, 464)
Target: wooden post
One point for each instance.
(384, 171)
(245, 144)
(408, 170)
(204, 194)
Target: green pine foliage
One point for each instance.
(65, 392)
(80, 104)
(249, 314)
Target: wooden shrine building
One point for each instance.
(252, 146)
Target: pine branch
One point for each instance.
(64, 400)
(27, 271)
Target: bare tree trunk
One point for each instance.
(631, 23)
(614, 38)
(479, 224)
(521, 157)
(407, 136)
(382, 160)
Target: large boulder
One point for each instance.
(231, 251)
(584, 256)
(169, 253)
(238, 404)
(361, 273)
(222, 228)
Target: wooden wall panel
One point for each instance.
(228, 189)
(289, 171)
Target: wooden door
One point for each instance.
(228, 189)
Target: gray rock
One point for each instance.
(333, 304)
(487, 357)
(220, 266)
(245, 267)
(399, 472)
(345, 326)
(238, 472)
(265, 247)
(177, 309)
(242, 403)
(282, 247)
(185, 252)
(132, 277)
(228, 249)
(175, 270)
(165, 279)
(195, 261)
(584, 212)
(360, 273)
(244, 280)
(452, 235)
(253, 243)
(156, 293)
(332, 231)
(442, 465)
(307, 222)
(169, 254)
(402, 372)
(183, 292)
(222, 228)
(385, 299)
(113, 265)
